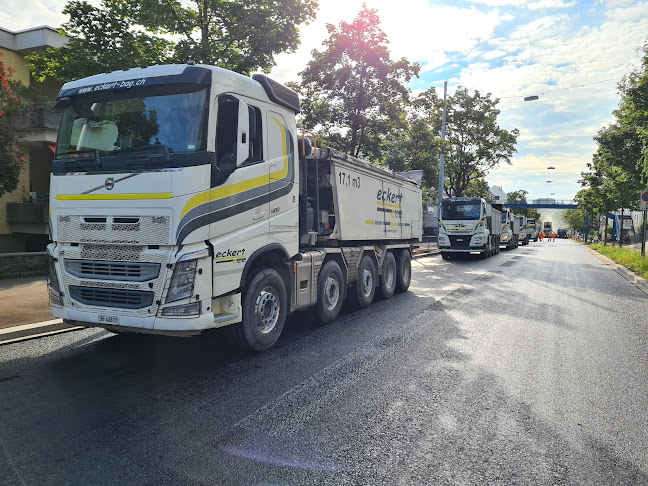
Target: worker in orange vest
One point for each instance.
(540, 236)
(554, 236)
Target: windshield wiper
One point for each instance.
(84, 160)
(162, 147)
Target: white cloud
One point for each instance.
(425, 37)
(546, 4)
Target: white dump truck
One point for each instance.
(181, 200)
(529, 231)
(469, 225)
(510, 230)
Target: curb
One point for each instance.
(629, 275)
(35, 330)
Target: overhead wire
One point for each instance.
(551, 91)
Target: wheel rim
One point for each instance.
(367, 282)
(390, 272)
(406, 273)
(266, 310)
(331, 292)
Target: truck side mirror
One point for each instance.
(488, 211)
(243, 136)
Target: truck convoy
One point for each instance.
(181, 200)
(469, 225)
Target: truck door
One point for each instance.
(283, 194)
(239, 194)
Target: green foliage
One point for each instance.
(353, 93)
(575, 219)
(477, 187)
(475, 141)
(415, 143)
(241, 35)
(11, 160)
(627, 257)
(619, 168)
(520, 196)
(633, 109)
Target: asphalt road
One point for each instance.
(529, 367)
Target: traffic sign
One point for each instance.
(643, 201)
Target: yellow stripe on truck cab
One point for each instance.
(112, 197)
(221, 192)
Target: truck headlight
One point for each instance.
(182, 281)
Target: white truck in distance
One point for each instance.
(510, 230)
(181, 200)
(469, 225)
(530, 231)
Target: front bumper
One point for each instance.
(152, 324)
(454, 243)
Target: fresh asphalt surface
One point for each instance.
(528, 367)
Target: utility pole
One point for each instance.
(443, 135)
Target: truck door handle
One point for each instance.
(260, 215)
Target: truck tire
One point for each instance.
(388, 277)
(404, 270)
(264, 312)
(364, 288)
(445, 255)
(330, 292)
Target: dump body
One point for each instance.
(362, 202)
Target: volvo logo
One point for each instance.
(109, 184)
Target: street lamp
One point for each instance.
(551, 167)
(531, 98)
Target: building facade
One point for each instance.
(24, 212)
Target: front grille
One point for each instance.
(125, 299)
(455, 243)
(102, 270)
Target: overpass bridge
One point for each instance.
(541, 204)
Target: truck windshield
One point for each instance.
(134, 122)
(460, 211)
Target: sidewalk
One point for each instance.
(24, 310)
(23, 300)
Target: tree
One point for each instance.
(520, 197)
(11, 160)
(241, 35)
(476, 142)
(415, 143)
(353, 93)
(633, 109)
(574, 219)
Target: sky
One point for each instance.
(569, 53)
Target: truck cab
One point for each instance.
(469, 225)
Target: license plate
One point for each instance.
(103, 319)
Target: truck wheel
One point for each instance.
(264, 313)
(388, 277)
(364, 288)
(445, 255)
(404, 270)
(329, 292)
